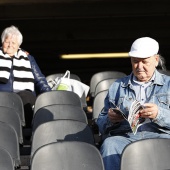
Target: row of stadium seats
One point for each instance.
(61, 132)
(52, 110)
(60, 125)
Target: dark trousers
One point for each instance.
(28, 99)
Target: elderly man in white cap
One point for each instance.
(145, 85)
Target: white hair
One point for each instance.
(12, 30)
(161, 64)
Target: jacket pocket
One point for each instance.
(163, 100)
(123, 103)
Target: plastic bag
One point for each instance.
(65, 83)
(61, 83)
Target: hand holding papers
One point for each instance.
(133, 118)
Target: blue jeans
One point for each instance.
(113, 146)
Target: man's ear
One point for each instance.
(157, 60)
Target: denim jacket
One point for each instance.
(122, 94)
(40, 82)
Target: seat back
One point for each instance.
(61, 130)
(54, 76)
(98, 103)
(12, 118)
(6, 161)
(72, 76)
(58, 112)
(13, 101)
(57, 97)
(67, 155)
(97, 77)
(103, 85)
(166, 72)
(9, 141)
(151, 154)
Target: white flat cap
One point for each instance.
(144, 47)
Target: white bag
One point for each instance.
(65, 83)
(79, 87)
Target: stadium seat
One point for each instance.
(61, 130)
(98, 77)
(103, 85)
(67, 155)
(149, 154)
(54, 76)
(9, 141)
(57, 97)
(57, 112)
(98, 103)
(6, 161)
(12, 118)
(166, 72)
(72, 76)
(13, 101)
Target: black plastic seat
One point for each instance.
(72, 76)
(67, 155)
(103, 85)
(149, 154)
(9, 141)
(12, 118)
(13, 101)
(54, 76)
(57, 112)
(98, 77)
(166, 72)
(6, 161)
(61, 130)
(57, 97)
(98, 103)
